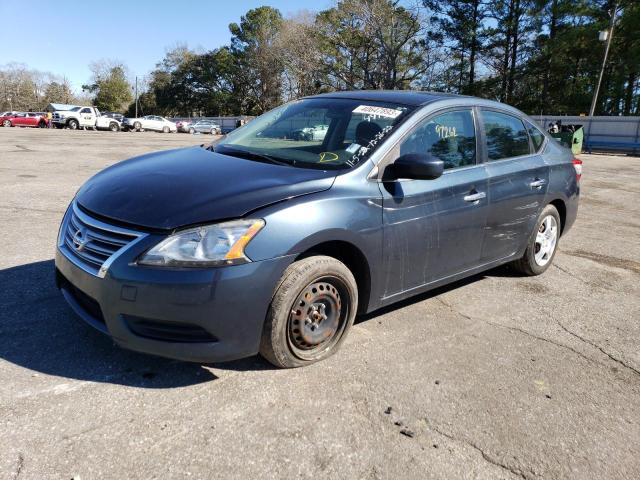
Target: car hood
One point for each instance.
(177, 188)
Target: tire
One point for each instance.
(42, 125)
(192, 131)
(113, 126)
(137, 127)
(73, 124)
(542, 245)
(213, 131)
(6, 123)
(311, 312)
(166, 130)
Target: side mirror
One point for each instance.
(416, 166)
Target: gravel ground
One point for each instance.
(498, 376)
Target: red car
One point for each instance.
(5, 116)
(26, 119)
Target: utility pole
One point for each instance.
(136, 96)
(604, 61)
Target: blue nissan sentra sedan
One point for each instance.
(272, 242)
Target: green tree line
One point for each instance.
(542, 56)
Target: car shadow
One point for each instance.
(502, 271)
(41, 333)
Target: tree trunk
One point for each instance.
(473, 47)
(514, 47)
(628, 97)
(553, 26)
(506, 54)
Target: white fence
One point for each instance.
(602, 133)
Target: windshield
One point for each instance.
(326, 133)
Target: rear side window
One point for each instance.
(450, 136)
(506, 136)
(537, 137)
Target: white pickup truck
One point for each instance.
(84, 117)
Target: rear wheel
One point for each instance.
(312, 310)
(42, 124)
(6, 123)
(137, 126)
(542, 245)
(192, 130)
(113, 126)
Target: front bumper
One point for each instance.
(199, 315)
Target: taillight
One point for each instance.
(577, 164)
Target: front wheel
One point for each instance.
(113, 126)
(137, 126)
(192, 131)
(6, 123)
(311, 312)
(542, 245)
(166, 129)
(73, 124)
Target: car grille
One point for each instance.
(90, 243)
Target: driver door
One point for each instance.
(433, 229)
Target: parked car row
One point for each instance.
(83, 117)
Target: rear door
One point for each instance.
(518, 180)
(434, 228)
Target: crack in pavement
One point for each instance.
(595, 345)
(573, 275)
(19, 466)
(488, 458)
(607, 260)
(520, 330)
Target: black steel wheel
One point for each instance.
(317, 318)
(312, 310)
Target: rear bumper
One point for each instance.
(199, 315)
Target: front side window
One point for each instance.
(537, 137)
(450, 137)
(85, 110)
(323, 133)
(506, 136)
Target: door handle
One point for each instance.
(475, 197)
(538, 183)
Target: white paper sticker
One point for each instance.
(353, 148)
(377, 111)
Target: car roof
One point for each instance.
(416, 98)
(405, 97)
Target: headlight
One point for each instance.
(210, 245)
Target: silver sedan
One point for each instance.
(205, 126)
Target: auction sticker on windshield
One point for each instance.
(377, 111)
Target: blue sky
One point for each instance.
(65, 36)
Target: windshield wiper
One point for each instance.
(254, 156)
